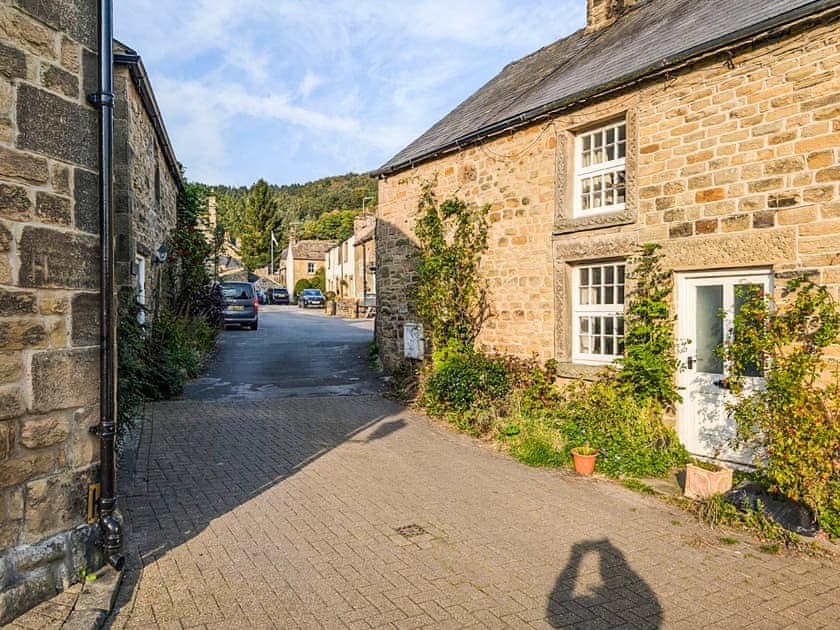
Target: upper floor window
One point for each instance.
(600, 169)
(310, 267)
(598, 312)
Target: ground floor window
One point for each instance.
(598, 312)
(140, 286)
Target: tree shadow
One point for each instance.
(608, 595)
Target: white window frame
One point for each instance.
(140, 283)
(310, 267)
(579, 310)
(614, 166)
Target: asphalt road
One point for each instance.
(295, 352)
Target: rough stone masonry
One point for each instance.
(49, 273)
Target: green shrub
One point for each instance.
(157, 358)
(539, 444)
(793, 422)
(462, 383)
(131, 359)
(535, 384)
(628, 433)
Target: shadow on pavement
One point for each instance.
(385, 429)
(197, 461)
(598, 589)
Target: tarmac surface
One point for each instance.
(284, 492)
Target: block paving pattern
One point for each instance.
(285, 514)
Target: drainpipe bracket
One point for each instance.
(101, 99)
(94, 430)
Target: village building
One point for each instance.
(711, 128)
(50, 279)
(301, 260)
(350, 269)
(350, 266)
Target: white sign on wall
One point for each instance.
(413, 342)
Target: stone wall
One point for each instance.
(49, 282)
(365, 258)
(731, 162)
(145, 191)
(515, 177)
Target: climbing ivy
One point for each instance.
(649, 365)
(450, 296)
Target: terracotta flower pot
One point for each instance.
(584, 464)
(701, 483)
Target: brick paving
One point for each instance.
(288, 513)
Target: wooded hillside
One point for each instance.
(322, 209)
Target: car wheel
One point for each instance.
(255, 325)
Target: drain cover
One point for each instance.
(410, 531)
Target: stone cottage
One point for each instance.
(50, 283)
(348, 264)
(712, 128)
(147, 177)
(301, 260)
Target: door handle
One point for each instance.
(723, 383)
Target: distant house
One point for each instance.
(301, 259)
(50, 279)
(708, 127)
(350, 265)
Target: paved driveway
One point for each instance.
(349, 511)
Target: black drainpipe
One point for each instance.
(109, 525)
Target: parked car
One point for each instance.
(279, 296)
(312, 297)
(241, 304)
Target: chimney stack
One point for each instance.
(602, 13)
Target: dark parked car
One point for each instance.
(241, 304)
(279, 296)
(312, 297)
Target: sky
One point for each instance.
(294, 90)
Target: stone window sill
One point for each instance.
(568, 370)
(608, 219)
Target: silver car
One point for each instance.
(241, 305)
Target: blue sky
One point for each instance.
(295, 90)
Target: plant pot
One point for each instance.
(701, 483)
(584, 464)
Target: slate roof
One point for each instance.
(652, 35)
(311, 250)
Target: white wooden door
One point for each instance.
(707, 303)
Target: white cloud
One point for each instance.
(309, 83)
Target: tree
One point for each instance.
(335, 225)
(319, 280)
(260, 215)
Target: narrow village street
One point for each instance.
(283, 491)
